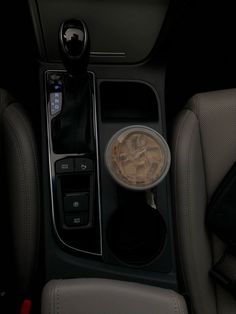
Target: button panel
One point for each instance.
(75, 176)
(68, 165)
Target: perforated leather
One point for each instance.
(22, 180)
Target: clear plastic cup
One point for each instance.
(137, 157)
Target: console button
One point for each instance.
(65, 165)
(83, 165)
(76, 202)
(77, 220)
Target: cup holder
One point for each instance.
(137, 235)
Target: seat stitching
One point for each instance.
(58, 297)
(187, 209)
(178, 309)
(174, 302)
(177, 146)
(175, 176)
(179, 305)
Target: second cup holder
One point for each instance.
(136, 234)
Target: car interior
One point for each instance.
(117, 148)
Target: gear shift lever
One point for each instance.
(74, 46)
(72, 129)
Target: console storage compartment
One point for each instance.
(128, 101)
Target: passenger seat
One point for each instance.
(204, 149)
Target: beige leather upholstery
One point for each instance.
(19, 157)
(204, 149)
(102, 296)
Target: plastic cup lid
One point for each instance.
(137, 157)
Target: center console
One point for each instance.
(74, 171)
(95, 225)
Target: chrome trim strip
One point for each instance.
(107, 54)
(52, 158)
(95, 124)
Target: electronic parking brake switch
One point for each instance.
(76, 202)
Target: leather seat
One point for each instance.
(20, 190)
(204, 149)
(104, 296)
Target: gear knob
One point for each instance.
(74, 46)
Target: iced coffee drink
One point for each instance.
(137, 157)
